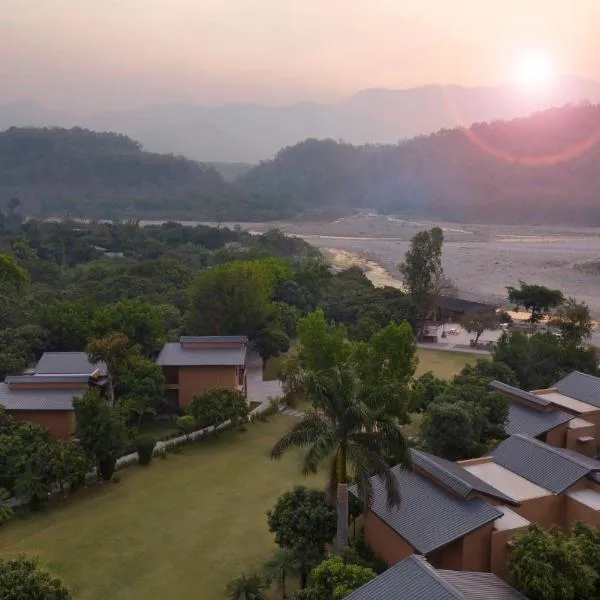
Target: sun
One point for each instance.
(534, 70)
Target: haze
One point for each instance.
(84, 55)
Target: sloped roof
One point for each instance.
(415, 579)
(460, 304)
(41, 379)
(554, 469)
(429, 517)
(582, 387)
(498, 386)
(192, 339)
(174, 355)
(532, 422)
(68, 363)
(456, 478)
(37, 399)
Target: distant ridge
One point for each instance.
(251, 132)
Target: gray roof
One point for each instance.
(555, 469)
(580, 386)
(41, 379)
(429, 517)
(191, 339)
(37, 399)
(455, 477)
(174, 355)
(498, 386)
(415, 579)
(68, 363)
(533, 422)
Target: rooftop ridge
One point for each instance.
(523, 394)
(427, 458)
(557, 451)
(422, 563)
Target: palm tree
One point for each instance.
(279, 566)
(246, 587)
(353, 429)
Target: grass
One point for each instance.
(179, 528)
(443, 363)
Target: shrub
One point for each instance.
(144, 444)
(216, 406)
(106, 467)
(186, 425)
(116, 478)
(20, 579)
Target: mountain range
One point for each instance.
(251, 132)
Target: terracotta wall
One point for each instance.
(557, 437)
(49, 386)
(500, 549)
(384, 541)
(589, 448)
(60, 423)
(546, 511)
(575, 511)
(194, 380)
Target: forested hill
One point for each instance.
(106, 175)
(541, 169)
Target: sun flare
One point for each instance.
(534, 71)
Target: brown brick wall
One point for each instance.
(194, 380)
(384, 541)
(557, 437)
(547, 511)
(60, 423)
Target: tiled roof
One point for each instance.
(582, 387)
(41, 379)
(554, 469)
(415, 579)
(498, 386)
(533, 422)
(192, 339)
(37, 399)
(455, 477)
(174, 355)
(429, 517)
(67, 362)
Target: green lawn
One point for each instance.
(180, 528)
(444, 363)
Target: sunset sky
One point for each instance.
(91, 54)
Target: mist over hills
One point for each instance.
(252, 132)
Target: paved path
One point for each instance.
(259, 390)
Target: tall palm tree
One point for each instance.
(246, 587)
(350, 427)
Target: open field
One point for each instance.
(178, 529)
(443, 363)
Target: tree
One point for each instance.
(452, 431)
(588, 540)
(303, 522)
(215, 406)
(233, 298)
(539, 360)
(548, 565)
(100, 430)
(67, 324)
(279, 566)
(385, 365)
(20, 579)
(69, 465)
(484, 372)
(574, 321)
(270, 341)
(536, 298)
(140, 386)
(467, 403)
(422, 269)
(334, 579)
(477, 321)
(246, 587)
(321, 345)
(114, 349)
(186, 424)
(6, 512)
(139, 320)
(13, 278)
(425, 389)
(351, 430)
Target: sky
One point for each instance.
(89, 55)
